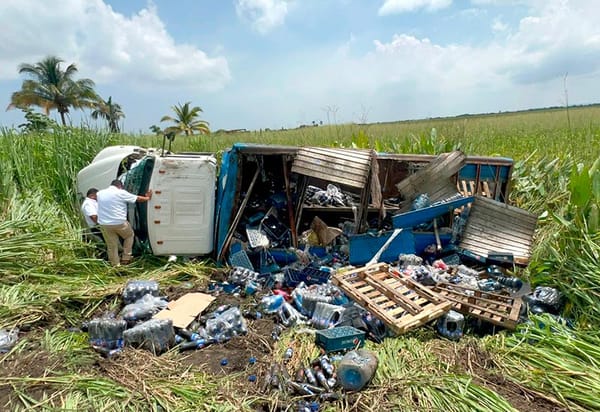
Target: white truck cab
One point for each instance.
(179, 219)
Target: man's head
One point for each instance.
(117, 183)
(91, 193)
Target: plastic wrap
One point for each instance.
(155, 335)
(326, 316)
(545, 299)
(143, 309)
(136, 289)
(8, 339)
(105, 333)
(222, 326)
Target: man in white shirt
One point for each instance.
(112, 218)
(89, 210)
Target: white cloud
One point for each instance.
(559, 36)
(498, 26)
(107, 46)
(411, 76)
(403, 6)
(264, 15)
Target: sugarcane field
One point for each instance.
(400, 266)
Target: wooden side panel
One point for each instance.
(497, 227)
(348, 167)
(401, 303)
(434, 179)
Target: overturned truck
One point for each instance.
(264, 199)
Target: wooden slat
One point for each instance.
(401, 303)
(434, 178)
(495, 226)
(348, 167)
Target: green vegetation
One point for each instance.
(52, 88)
(187, 120)
(51, 281)
(109, 111)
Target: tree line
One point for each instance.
(50, 87)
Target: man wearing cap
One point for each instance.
(112, 218)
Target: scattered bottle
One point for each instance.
(451, 325)
(196, 344)
(252, 314)
(326, 365)
(356, 369)
(8, 339)
(310, 376)
(271, 303)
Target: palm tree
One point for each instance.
(186, 120)
(109, 111)
(52, 88)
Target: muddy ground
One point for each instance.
(233, 359)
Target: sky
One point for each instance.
(257, 64)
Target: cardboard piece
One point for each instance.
(325, 234)
(185, 309)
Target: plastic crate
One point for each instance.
(340, 338)
(308, 275)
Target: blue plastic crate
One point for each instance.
(308, 275)
(340, 338)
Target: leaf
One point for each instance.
(595, 176)
(579, 186)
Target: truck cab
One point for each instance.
(179, 219)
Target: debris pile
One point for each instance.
(341, 263)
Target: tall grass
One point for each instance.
(50, 276)
(548, 357)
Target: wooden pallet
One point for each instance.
(401, 303)
(498, 309)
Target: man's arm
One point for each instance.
(141, 199)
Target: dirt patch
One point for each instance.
(237, 355)
(32, 362)
(478, 363)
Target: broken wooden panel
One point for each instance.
(498, 309)
(399, 302)
(495, 227)
(348, 167)
(477, 172)
(434, 179)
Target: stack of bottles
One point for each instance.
(326, 315)
(155, 335)
(106, 334)
(136, 289)
(245, 278)
(307, 297)
(224, 324)
(142, 309)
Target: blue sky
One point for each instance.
(281, 63)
